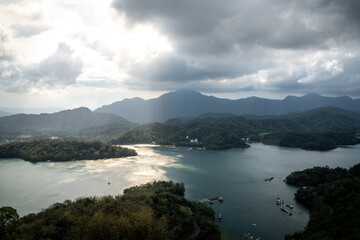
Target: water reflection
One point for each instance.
(42, 184)
(237, 175)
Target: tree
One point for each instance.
(8, 220)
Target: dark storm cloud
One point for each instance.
(172, 68)
(240, 39)
(206, 24)
(59, 69)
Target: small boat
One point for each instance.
(269, 179)
(279, 201)
(248, 236)
(255, 224)
(285, 211)
(220, 199)
(289, 206)
(206, 200)
(220, 217)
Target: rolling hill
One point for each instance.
(61, 123)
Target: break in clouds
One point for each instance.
(274, 46)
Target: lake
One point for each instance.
(237, 175)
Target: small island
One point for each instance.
(332, 195)
(62, 150)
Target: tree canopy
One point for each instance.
(333, 198)
(62, 150)
(156, 210)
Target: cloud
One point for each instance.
(5, 53)
(248, 45)
(5, 2)
(59, 69)
(172, 68)
(213, 25)
(28, 30)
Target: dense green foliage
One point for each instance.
(209, 135)
(320, 129)
(99, 133)
(316, 176)
(334, 202)
(151, 211)
(8, 221)
(317, 141)
(147, 133)
(62, 150)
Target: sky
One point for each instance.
(72, 53)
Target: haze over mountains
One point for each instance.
(110, 120)
(187, 103)
(68, 120)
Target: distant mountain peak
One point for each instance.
(79, 109)
(183, 92)
(312, 95)
(186, 91)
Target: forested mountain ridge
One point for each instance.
(80, 123)
(3, 113)
(66, 120)
(333, 125)
(187, 103)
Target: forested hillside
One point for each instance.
(333, 198)
(319, 129)
(65, 124)
(210, 136)
(151, 211)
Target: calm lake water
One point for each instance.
(237, 175)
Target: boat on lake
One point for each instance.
(220, 217)
(285, 211)
(206, 200)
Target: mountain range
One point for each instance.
(67, 120)
(188, 103)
